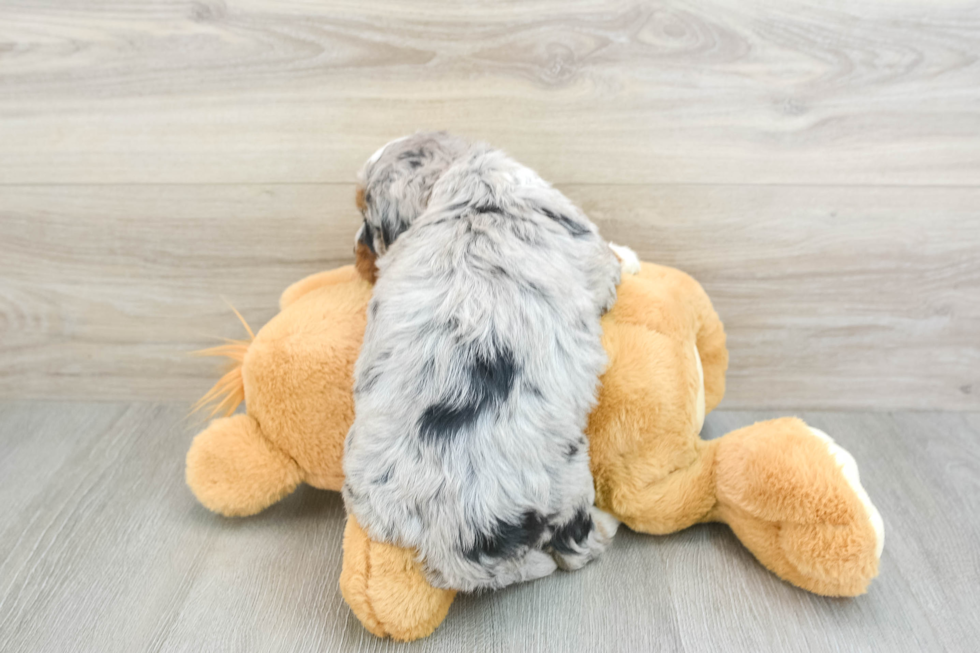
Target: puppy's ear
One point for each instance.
(364, 261)
(365, 258)
(360, 199)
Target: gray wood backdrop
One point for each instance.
(815, 164)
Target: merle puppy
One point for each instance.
(479, 366)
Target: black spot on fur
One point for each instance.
(488, 207)
(573, 532)
(506, 538)
(443, 420)
(571, 450)
(388, 234)
(372, 374)
(490, 383)
(367, 381)
(375, 305)
(385, 477)
(367, 237)
(413, 158)
(533, 389)
(498, 271)
(433, 223)
(570, 225)
(495, 376)
(350, 492)
(538, 289)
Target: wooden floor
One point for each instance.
(816, 165)
(103, 548)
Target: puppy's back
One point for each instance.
(477, 374)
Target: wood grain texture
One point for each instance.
(816, 165)
(106, 290)
(868, 297)
(103, 548)
(831, 297)
(590, 91)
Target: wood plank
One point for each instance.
(106, 289)
(833, 297)
(116, 546)
(109, 552)
(877, 92)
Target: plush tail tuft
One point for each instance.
(229, 392)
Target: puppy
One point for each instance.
(394, 192)
(479, 366)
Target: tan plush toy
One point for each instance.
(788, 492)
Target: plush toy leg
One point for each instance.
(234, 470)
(386, 589)
(680, 499)
(793, 497)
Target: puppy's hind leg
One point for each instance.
(533, 565)
(580, 540)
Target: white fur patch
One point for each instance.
(849, 469)
(377, 155)
(629, 261)
(537, 564)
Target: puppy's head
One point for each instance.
(394, 186)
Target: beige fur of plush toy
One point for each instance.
(788, 492)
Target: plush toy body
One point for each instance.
(787, 491)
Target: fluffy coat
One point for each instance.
(479, 366)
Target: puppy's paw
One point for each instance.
(628, 260)
(537, 564)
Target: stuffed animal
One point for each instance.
(790, 494)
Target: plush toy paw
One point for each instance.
(628, 260)
(605, 524)
(849, 468)
(388, 592)
(234, 470)
(793, 497)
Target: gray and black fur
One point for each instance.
(395, 184)
(479, 366)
